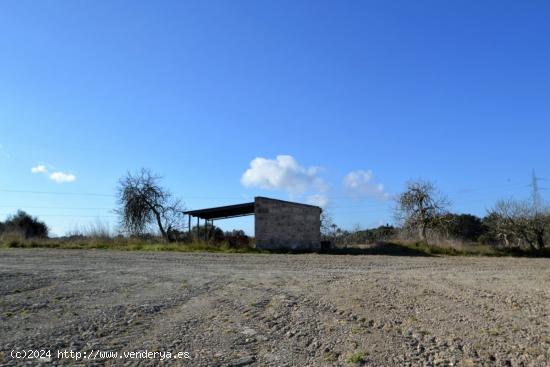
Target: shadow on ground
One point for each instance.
(381, 248)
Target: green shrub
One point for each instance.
(26, 225)
(357, 358)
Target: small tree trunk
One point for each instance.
(159, 223)
(507, 243)
(423, 232)
(540, 240)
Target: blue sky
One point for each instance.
(350, 95)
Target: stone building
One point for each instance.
(278, 224)
(286, 225)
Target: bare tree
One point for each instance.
(421, 207)
(329, 230)
(519, 223)
(143, 202)
(326, 222)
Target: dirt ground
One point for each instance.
(273, 310)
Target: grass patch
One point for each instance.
(330, 356)
(474, 249)
(402, 248)
(129, 245)
(466, 250)
(382, 248)
(357, 358)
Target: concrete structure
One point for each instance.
(278, 225)
(286, 225)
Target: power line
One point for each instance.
(70, 215)
(381, 205)
(105, 195)
(468, 191)
(223, 197)
(56, 193)
(52, 207)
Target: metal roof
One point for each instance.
(223, 212)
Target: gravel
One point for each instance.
(274, 310)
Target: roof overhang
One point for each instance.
(223, 212)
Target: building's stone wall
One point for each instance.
(282, 225)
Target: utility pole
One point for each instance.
(535, 192)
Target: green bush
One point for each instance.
(24, 224)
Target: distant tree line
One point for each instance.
(510, 223)
(423, 214)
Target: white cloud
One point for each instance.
(39, 169)
(318, 199)
(61, 177)
(283, 173)
(361, 183)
